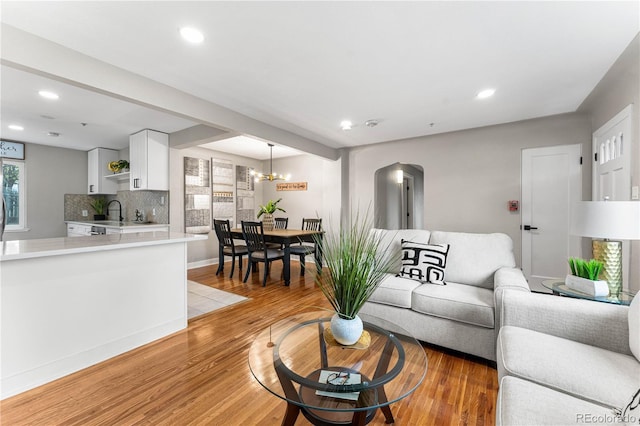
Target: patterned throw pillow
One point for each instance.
(424, 262)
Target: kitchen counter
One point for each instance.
(71, 302)
(119, 225)
(25, 249)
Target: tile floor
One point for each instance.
(202, 299)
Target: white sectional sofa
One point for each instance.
(463, 314)
(564, 361)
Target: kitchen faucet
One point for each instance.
(120, 212)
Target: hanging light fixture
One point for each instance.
(271, 176)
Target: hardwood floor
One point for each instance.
(200, 376)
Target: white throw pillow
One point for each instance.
(424, 262)
(634, 327)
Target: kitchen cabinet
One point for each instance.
(98, 159)
(149, 161)
(131, 229)
(78, 230)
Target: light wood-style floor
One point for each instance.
(200, 376)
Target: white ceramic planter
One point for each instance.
(594, 288)
(346, 331)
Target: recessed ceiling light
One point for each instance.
(487, 93)
(15, 127)
(48, 94)
(346, 125)
(371, 123)
(191, 34)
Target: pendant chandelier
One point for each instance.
(271, 176)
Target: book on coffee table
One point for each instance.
(339, 378)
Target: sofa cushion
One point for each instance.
(394, 291)
(583, 371)
(390, 240)
(521, 402)
(474, 258)
(634, 327)
(458, 302)
(423, 262)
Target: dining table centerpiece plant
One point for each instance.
(356, 261)
(585, 275)
(267, 211)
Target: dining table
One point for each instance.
(287, 237)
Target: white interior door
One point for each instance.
(612, 169)
(551, 181)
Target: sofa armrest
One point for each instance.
(603, 325)
(505, 278)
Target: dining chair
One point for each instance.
(302, 250)
(278, 223)
(253, 233)
(227, 246)
(281, 222)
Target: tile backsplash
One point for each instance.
(145, 201)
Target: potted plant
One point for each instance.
(584, 277)
(118, 166)
(99, 204)
(356, 265)
(268, 210)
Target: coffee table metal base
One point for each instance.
(330, 418)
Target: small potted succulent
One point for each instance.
(585, 277)
(267, 211)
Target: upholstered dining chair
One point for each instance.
(227, 246)
(258, 252)
(302, 250)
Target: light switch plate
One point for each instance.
(634, 193)
(85, 213)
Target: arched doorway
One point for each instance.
(399, 197)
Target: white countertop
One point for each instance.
(118, 225)
(25, 249)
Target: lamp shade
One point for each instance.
(615, 220)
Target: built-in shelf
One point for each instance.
(118, 177)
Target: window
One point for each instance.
(13, 191)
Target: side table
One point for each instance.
(558, 287)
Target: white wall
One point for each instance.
(470, 175)
(322, 197)
(617, 89)
(205, 252)
(50, 173)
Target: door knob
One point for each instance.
(529, 227)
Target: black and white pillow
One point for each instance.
(424, 262)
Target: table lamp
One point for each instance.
(612, 221)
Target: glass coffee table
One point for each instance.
(296, 360)
(558, 287)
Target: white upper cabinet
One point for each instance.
(99, 158)
(149, 160)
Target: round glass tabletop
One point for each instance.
(296, 361)
(559, 287)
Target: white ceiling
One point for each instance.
(306, 66)
(109, 121)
